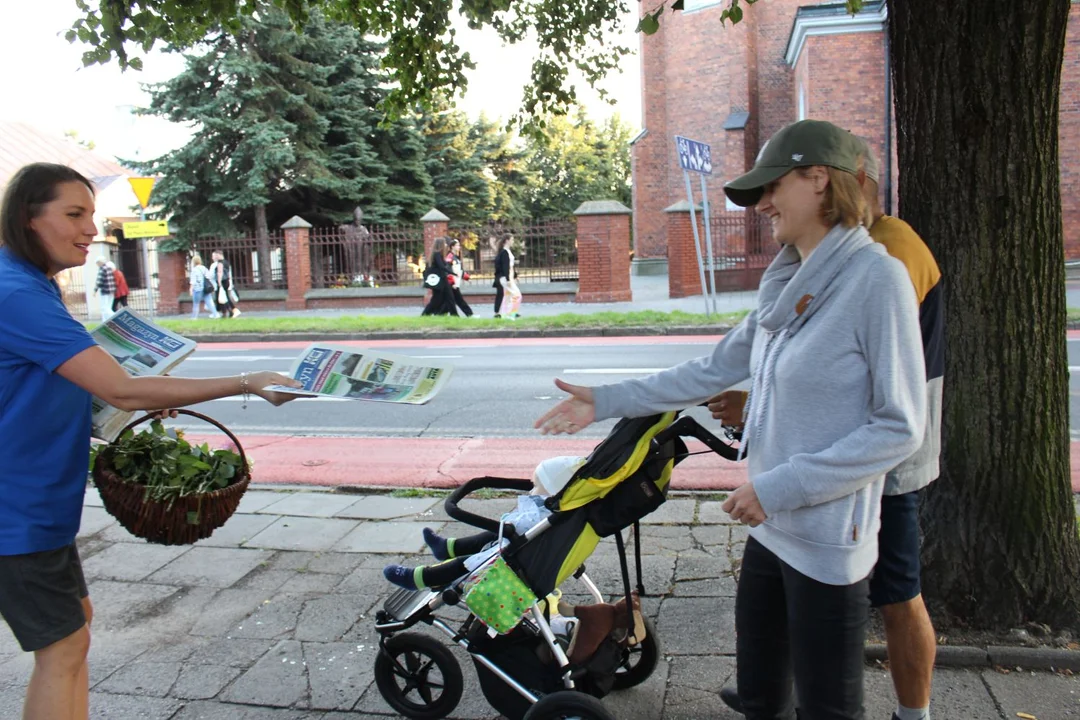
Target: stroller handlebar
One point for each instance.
(687, 426)
(481, 483)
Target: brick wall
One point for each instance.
(1069, 135)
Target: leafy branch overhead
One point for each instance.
(423, 55)
(650, 21)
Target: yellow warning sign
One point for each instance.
(145, 229)
(142, 187)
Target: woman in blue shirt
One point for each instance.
(49, 369)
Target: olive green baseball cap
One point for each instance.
(801, 144)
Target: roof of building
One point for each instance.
(22, 144)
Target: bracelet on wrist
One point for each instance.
(244, 389)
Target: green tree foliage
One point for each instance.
(462, 189)
(504, 164)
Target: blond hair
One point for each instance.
(844, 203)
(196, 259)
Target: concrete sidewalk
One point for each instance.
(273, 616)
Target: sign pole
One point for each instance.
(708, 241)
(697, 241)
(142, 187)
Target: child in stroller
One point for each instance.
(523, 668)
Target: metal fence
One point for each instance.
(545, 250)
(376, 256)
(255, 264)
(743, 247)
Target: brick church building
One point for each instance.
(734, 86)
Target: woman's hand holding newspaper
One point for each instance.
(258, 382)
(574, 413)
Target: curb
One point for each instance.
(959, 656)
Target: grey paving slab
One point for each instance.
(665, 539)
(658, 572)
(256, 500)
(202, 682)
(679, 511)
(132, 707)
(338, 673)
(485, 508)
(299, 533)
(117, 533)
(118, 604)
(956, 695)
(278, 679)
(335, 562)
(383, 537)
(309, 583)
(232, 652)
(226, 711)
(694, 684)
(131, 561)
(141, 678)
(644, 701)
(366, 579)
(1038, 693)
(710, 513)
(211, 567)
(713, 539)
(387, 507)
(698, 626)
(238, 529)
(275, 618)
(94, 520)
(309, 504)
(231, 606)
(11, 701)
(327, 619)
(264, 579)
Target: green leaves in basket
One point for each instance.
(167, 464)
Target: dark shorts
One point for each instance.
(896, 575)
(41, 596)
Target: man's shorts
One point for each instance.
(41, 596)
(896, 576)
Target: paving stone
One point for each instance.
(118, 605)
(255, 500)
(132, 707)
(278, 679)
(209, 566)
(713, 539)
(92, 497)
(327, 619)
(309, 583)
(740, 533)
(131, 561)
(232, 652)
(339, 673)
(365, 579)
(698, 626)
(644, 701)
(202, 682)
(309, 504)
(672, 512)
(335, 563)
(658, 572)
(274, 618)
(694, 684)
(176, 651)
(116, 533)
(493, 509)
(291, 560)
(1038, 693)
(710, 513)
(230, 608)
(264, 580)
(94, 520)
(663, 540)
(387, 507)
(11, 701)
(225, 711)
(238, 529)
(704, 576)
(383, 537)
(142, 678)
(297, 533)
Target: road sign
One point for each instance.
(146, 229)
(142, 187)
(694, 156)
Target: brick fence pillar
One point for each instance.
(172, 280)
(603, 250)
(684, 279)
(297, 262)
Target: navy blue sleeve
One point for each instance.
(39, 328)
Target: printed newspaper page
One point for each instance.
(359, 374)
(141, 348)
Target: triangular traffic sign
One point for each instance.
(142, 187)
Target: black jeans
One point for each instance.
(791, 627)
(498, 298)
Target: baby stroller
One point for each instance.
(523, 668)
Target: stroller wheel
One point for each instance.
(639, 661)
(418, 676)
(570, 705)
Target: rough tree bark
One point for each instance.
(977, 124)
(262, 247)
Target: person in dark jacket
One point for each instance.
(437, 280)
(459, 276)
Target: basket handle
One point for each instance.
(192, 413)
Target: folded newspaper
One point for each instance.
(141, 348)
(359, 374)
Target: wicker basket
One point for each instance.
(166, 523)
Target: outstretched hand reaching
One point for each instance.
(574, 413)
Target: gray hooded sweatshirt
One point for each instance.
(837, 399)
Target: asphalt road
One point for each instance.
(497, 390)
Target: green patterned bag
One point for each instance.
(498, 597)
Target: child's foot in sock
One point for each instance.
(440, 547)
(401, 576)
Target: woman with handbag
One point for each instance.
(507, 293)
(225, 294)
(438, 279)
(50, 369)
(203, 289)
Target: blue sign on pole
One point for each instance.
(694, 156)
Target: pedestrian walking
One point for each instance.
(121, 298)
(203, 288)
(437, 279)
(834, 405)
(52, 370)
(225, 296)
(105, 288)
(507, 294)
(457, 271)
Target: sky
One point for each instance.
(44, 83)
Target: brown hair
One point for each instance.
(843, 203)
(31, 189)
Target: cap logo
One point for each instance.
(796, 157)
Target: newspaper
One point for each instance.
(358, 374)
(141, 348)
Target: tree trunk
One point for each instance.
(977, 125)
(262, 246)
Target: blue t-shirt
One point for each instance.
(44, 419)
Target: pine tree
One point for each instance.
(505, 166)
(462, 191)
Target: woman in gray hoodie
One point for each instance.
(837, 399)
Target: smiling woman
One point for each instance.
(49, 369)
